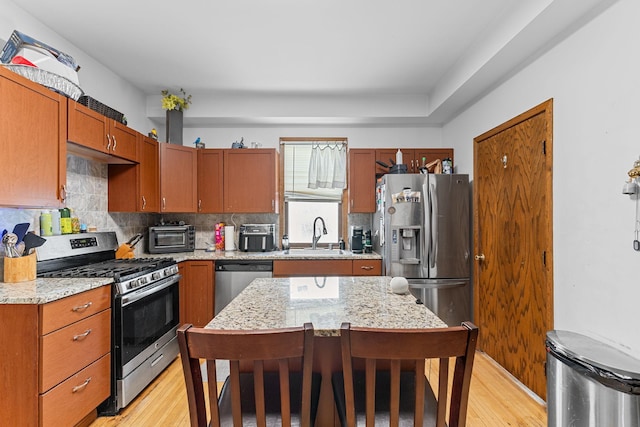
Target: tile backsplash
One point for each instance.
(87, 195)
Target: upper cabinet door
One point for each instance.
(92, 133)
(178, 178)
(124, 141)
(210, 179)
(250, 180)
(362, 180)
(149, 176)
(87, 127)
(33, 121)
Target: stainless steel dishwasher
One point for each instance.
(232, 276)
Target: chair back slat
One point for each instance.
(253, 349)
(400, 348)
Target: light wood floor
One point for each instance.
(495, 400)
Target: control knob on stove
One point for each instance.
(156, 275)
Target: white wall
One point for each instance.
(593, 77)
(359, 137)
(96, 80)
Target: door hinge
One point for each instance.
(544, 258)
(544, 146)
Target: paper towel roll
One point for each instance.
(229, 238)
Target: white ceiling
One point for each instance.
(431, 57)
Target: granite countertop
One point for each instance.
(326, 303)
(42, 291)
(200, 254)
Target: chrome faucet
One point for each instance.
(314, 239)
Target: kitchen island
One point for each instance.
(326, 302)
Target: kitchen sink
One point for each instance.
(320, 252)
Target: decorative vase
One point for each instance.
(174, 127)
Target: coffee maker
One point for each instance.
(357, 243)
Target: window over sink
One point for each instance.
(314, 176)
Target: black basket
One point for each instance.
(99, 107)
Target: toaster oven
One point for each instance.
(165, 239)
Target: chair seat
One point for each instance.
(272, 399)
(383, 381)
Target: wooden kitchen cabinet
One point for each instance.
(57, 369)
(250, 180)
(412, 157)
(362, 180)
(326, 267)
(367, 267)
(197, 292)
(136, 188)
(32, 142)
(210, 180)
(92, 133)
(178, 178)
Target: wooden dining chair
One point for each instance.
(389, 386)
(270, 380)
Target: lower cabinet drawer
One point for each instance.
(367, 267)
(71, 400)
(67, 350)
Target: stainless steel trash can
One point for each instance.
(590, 383)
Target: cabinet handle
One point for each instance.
(199, 204)
(412, 169)
(82, 335)
(82, 307)
(81, 386)
(63, 193)
(164, 203)
(108, 142)
(144, 203)
(366, 267)
(115, 142)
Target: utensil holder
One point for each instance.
(21, 269)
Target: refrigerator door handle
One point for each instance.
(426, 241)
(433, 231)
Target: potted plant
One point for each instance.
(175, 105)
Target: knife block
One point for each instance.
(22, 269)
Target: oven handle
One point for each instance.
(138, 295)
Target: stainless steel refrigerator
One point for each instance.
(421, 228)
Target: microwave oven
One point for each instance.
(164, 239)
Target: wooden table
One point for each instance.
(326, 302)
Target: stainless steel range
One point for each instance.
(145, 307)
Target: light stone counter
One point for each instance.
(202, 255)
(326, 303)
(42, 291)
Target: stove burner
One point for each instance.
(118, 269)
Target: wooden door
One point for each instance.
(149, 176)
(32, 142)
(513, 278)
(124, 141)
(178, 178)
(197, 292)
(362, 180)
(87, 128)
(210, 173)
(250, 180)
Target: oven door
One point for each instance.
(145, 320)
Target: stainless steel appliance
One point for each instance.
(232, 276)
(590, 383)
(171, 238)
(257, 238)
(421, 229)
(145, 307)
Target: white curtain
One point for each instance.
(328, 165)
